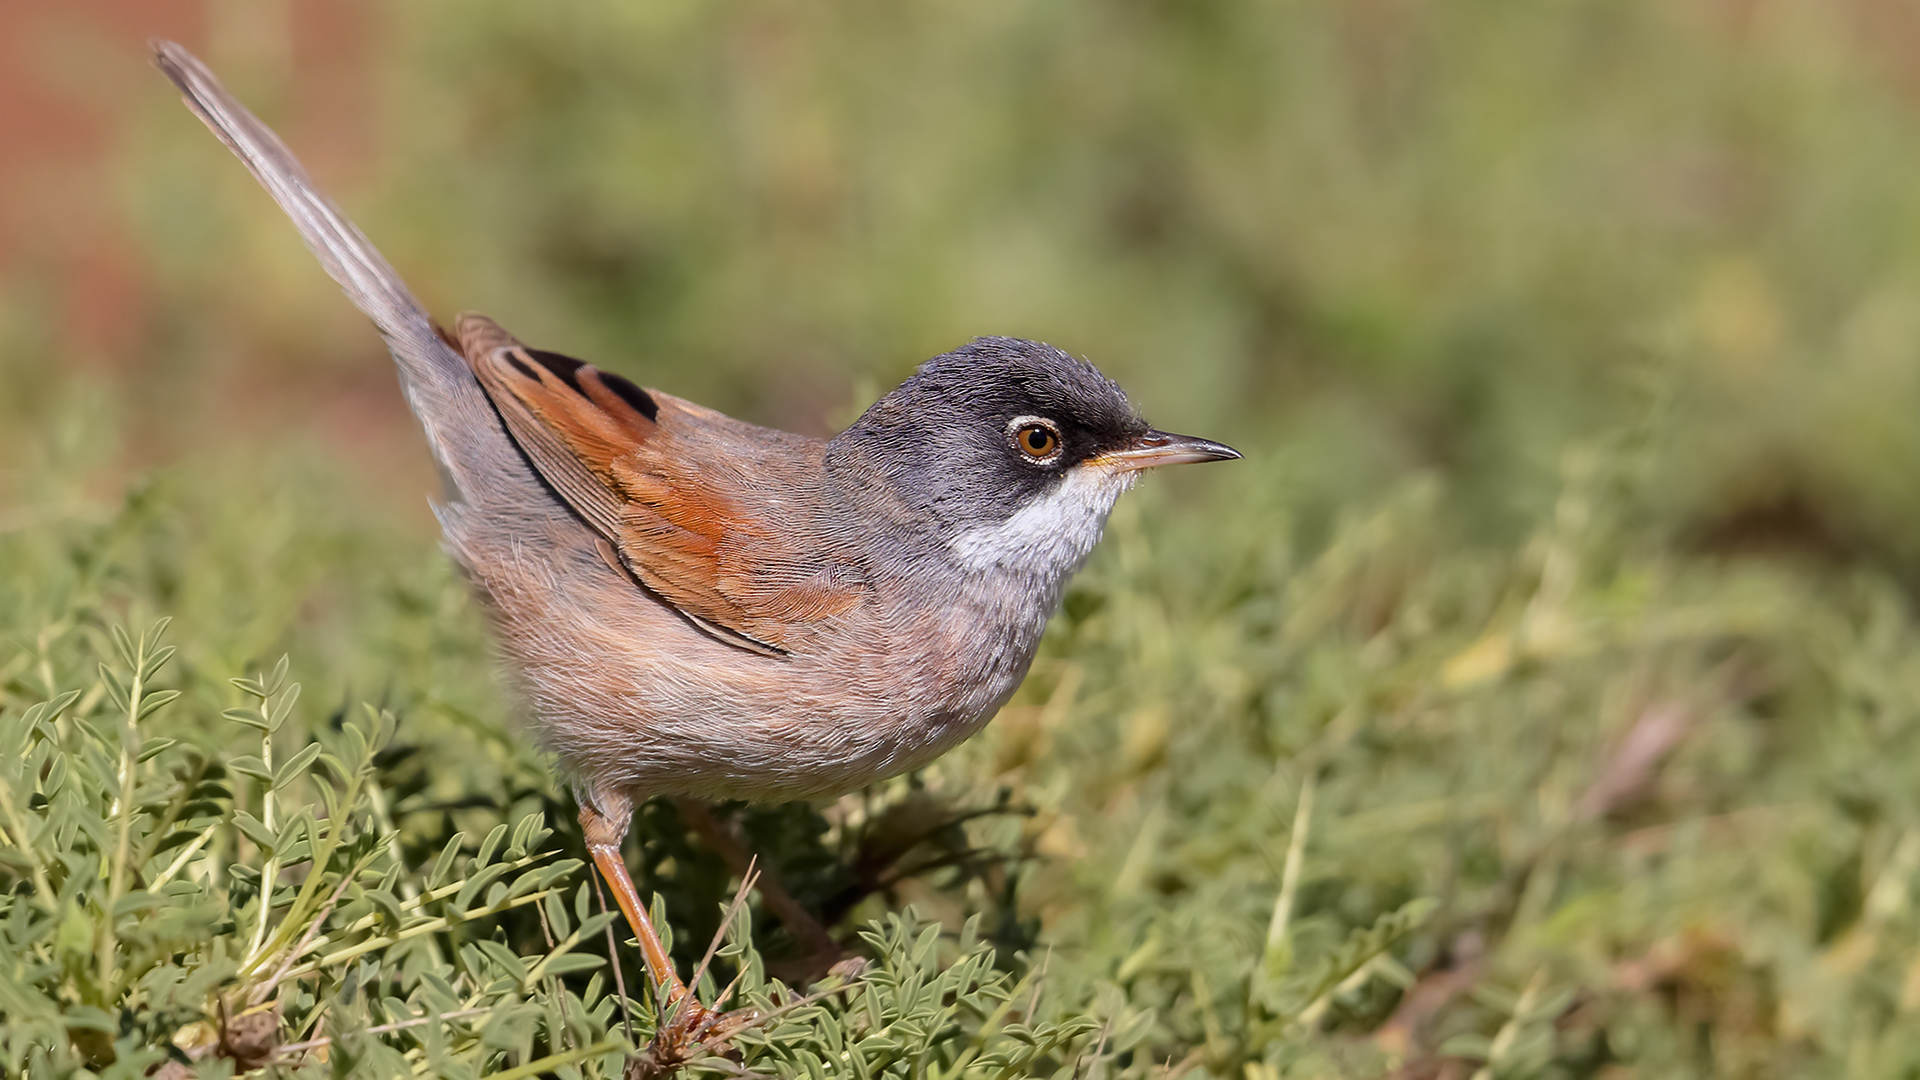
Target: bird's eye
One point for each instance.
(1037, 439)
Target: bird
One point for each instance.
(692, 605)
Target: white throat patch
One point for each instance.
(1051, 535)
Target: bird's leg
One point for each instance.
(604, 834)
(684, 1024)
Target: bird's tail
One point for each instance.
(465, 434)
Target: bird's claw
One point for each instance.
(688, 1030)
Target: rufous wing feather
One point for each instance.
(681, 492)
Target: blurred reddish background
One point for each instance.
(75, 77)
(80, 97)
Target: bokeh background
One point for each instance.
(1574, 346)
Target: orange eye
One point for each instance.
(1037, 441)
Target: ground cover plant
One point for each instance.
(1540, 698)
(1570, 808)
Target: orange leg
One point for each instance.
(603, 843)
(684, 1021)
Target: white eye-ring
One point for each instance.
(1036, 438)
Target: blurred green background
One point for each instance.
(1574, 346)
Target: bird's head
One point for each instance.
(1015, 451)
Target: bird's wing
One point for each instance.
(698, 506)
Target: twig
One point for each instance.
(259, 994)
(803, 1002)
(365, 922)
(431, 926)
(1509, 1032)
(546, 931)
(270, 873)
(42, 888)
(377, 800)
(553, 1062)
(1033, 1003)
(1106, 1031)
(1290, 873)
(1179, 1068)
(382, 1029)
(613, 957)
(180, 861)
(123, 804)
(1310, 1016)
(726, 919)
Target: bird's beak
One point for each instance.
(1157, 448)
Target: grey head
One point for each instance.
(1007, 455)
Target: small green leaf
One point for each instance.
(517, 846)
(335, 766)
(569, 963)
(1552, 1003)
(301, 826)
(504, 957)
(443, 865)
(490, 845)
(1497, 998)
(116, 691)
(559, 871)
(481, 878)
(52, 710)
(282, 706)
(295, 765)
(556, 910)
(388, 906)
(255, 830)
(523, 885)
(248, 716)
(332, 798)
(592, 925)
(154, 747)
(384, 727)
(156, 661)
(1470, 1046)
(174, 839)
(56, 777)
(136, 901)
(123, 645)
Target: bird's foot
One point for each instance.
(689, 1030)
(693, 1026)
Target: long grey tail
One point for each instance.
(460, 425)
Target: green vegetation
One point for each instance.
(1541, 698)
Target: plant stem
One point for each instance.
(1509, 1032)
(42, 887)
(1290, 875)
(271, 871)
(123, 808)
(382, 1029)
(366, 922)
(554, 1061)
(186, 853)
(431, 926)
